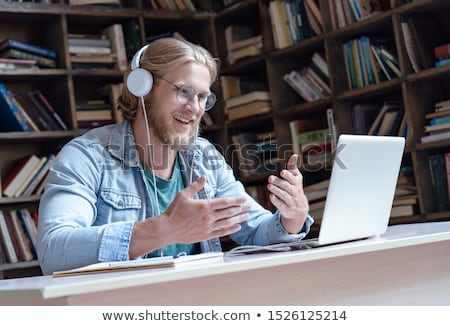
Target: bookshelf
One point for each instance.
(417, 91)
(65, 86)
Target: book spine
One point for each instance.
(34, 49)
(51, 123)
(443, 62)
(6, 239)
(39, 176)
(116, 36)
(19, 118)
(52, 110)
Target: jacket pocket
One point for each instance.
(115, 205)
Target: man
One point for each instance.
(149, 186)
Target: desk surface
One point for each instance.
(42, 288)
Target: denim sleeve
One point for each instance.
(68, 236)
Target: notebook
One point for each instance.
(360, 193)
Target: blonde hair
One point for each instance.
(161, 56)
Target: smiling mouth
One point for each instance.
(182, 120)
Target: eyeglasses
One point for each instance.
(186, 93)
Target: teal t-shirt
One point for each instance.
(166, 192)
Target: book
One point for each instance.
(248, 51)
(439, 181)
(279, 27)
(387, 106)
(314, 16)
(147, 263)
(299, 126)
(94, 2)
(447, 172)
(253, 108)
(132, 37)
(390, 122)
(442, 62)
(23, 241)
(435, 137)
(11, 117)
(18, 174)
(40, 123)
(246, 98)
(89, 49)
(12, 43)
(41, 61)
(319, 61)
(30, 227)
(6, 240)
(427, 34)
(110, 93)
(116, 36)
(238, 36)
(39, 176)
(302, 86)
(442, 51)
(402, 210)
(233, 86)
(16, 64)
(363, 116)
(100, 40)
(88, 115)
(42, 109)
(47, 105)
(30, 176)
(25, 113)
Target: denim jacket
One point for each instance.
(96, 191)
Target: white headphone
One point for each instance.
(139, 81)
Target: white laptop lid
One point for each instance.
(362, 186)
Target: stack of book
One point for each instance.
(242, 42)
(27, 111)
(90, 51)
(311, 82)
(93, 113)
(438, 126)
(248, 105)
(17, 49)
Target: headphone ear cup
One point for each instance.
(140, 82)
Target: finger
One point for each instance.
(195, 187)
(225, 203)
(231, 211)
(231, 222)
(292, 164)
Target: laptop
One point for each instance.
(360, 194)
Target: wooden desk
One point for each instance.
(409, 265)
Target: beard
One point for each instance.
(162, 129)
